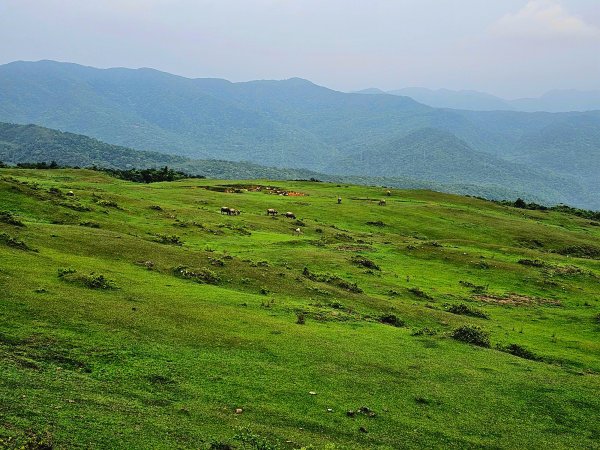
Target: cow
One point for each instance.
(224, 210)
(297, 231)
(233, 212)
(382, 203)
(70, 193)
(290, 215)
(339, 200)
(272, 212)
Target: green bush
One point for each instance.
(465, 310)
(172, 239)
(10, 241)
(202, 275)
(472, 334)
(364, 262)
(391, 319)
(10, 219)
(521, 352)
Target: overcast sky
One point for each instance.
(510, 48)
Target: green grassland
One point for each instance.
(139, 316)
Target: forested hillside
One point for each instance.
(295, 123)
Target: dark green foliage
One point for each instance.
(391, 319)
(92, 280)
(90, 224)
(149, 175)
(333, 280)
(364, 262)
(472, 334)
(465, 310)
(10, 219)
(202, 275)
(171, 239)
(377, 223)
(418, 292)
(300, 318)
(580, 251)
(295, 123)
(531, 262)
(13, 242)
(520, 351)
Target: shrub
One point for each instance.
(419, 293)
(521, 352)
(391, 319)
(10, 241)
(172, 239)
(203, 275)
(300, 319)
(580, 251)
(10, 219)
(465, 310)
(364, 262)
(377, 223)
(532, 263)
(333, 280)
(156, 207)
(472, 334)
(90, 224)
(92, 280)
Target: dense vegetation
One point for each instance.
(295, 123)
(33, 146)
(137, 315)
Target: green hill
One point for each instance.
(22, 144)
(140, 316)
(291, 123)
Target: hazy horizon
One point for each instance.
(507, 48)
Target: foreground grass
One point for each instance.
(151, 356)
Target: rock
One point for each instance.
(312, 393)
(239, 410)
(329, 410)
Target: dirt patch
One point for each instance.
(516, 300)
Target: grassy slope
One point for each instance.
(163, 362)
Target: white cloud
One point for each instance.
(544, 19)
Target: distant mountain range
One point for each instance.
(34, 144)
(299, 125)
(565, 100)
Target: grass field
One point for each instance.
(139, 316)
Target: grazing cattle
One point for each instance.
(382, 203)
(234, 212)
(272, 212)
(224, 210)
(339, 200)
(70, 193)
(297, 231)
(388, 193)
(290, 215)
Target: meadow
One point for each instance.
(139, 316)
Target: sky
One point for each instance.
(510, 48)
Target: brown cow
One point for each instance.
(290, 215)
(382, 203)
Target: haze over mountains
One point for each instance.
(560, 100)
(297, 124)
